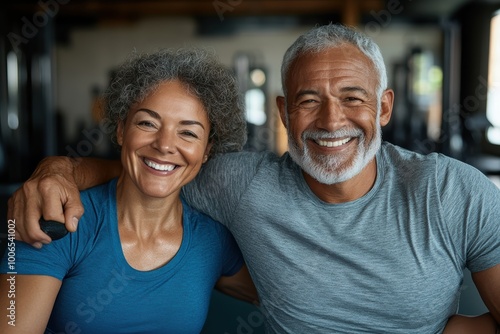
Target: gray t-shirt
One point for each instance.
(389, 262)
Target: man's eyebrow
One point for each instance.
(306, 92)
(346, 89)
(155, 115)
(359, 89)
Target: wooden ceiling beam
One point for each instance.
(95, 8)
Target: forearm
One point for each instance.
(89, 172)
(488, 284)
(460, 324)
(86, 172)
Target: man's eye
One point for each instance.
(308, 103)
(353, 99)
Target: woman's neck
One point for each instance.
(150, 229)
(146, 214)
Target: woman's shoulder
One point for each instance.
(100, 191)
(201, 222)
(99, 204)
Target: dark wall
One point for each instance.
(474, 20)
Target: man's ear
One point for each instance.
(387, 102)
(281, 103)
(119, 133)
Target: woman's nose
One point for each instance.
(165, 141)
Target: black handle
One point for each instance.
(53, 229)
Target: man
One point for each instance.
(344, 233)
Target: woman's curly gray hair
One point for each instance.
(204, 76)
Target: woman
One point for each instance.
(143, 261)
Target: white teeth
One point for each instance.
(156, 166)
(332, 143)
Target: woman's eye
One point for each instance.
(146, 124)
(189, 134)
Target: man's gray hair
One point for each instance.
(333, 35)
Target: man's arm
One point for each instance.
(461, 324)
(488, 285)
(52, 192)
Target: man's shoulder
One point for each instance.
(404, 154)
(245, 161)
(432, 164)
(400, 156)
(245, 156)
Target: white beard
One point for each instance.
(331, 169)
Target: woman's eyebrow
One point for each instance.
(151, 113)
(192, 122)
(155, 115)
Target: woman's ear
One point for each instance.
(119, 133)
(207, 151)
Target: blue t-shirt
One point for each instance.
(102, 293)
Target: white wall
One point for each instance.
(93, 51)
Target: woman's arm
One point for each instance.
(240, 286)
(26, 302)
(52, 192)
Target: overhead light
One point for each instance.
(258, 77)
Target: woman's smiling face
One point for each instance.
(164, 140)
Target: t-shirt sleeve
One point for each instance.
(57, 258)
(51, 260)
(217, 189)
(232, 259)
(471, 204)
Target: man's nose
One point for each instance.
(331, 116)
